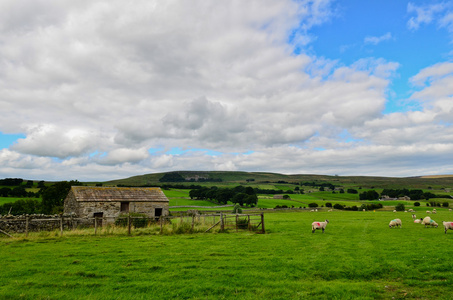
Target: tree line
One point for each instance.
(238, 195)
(52, 200)
(415, 194)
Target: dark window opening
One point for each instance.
(98, 216)
(158, 212)
(124, 207)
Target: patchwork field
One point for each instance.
(358, 257)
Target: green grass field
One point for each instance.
(4, 200)
(358, 257)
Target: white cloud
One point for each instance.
(423, 14)
(98, 83)
(123, 155)
(378, 39)
(49, 140)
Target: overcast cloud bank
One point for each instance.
(104, 90)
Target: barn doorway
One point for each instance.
(98, 216)
(124, 207)
(157, 213)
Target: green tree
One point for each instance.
(251, 200)
(54, 195)
(18, 191)
(400, 207)
(239, 198)
(4, 192)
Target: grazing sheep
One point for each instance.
(428, 212)
(330, 210)
(447, 225)
(319, 225)
(414, 216)
(449, 209)
(434, 211)
(428, 221)
(418, 221)
(395, 222)
(411, 210)
(394, 210)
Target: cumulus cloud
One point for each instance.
(439, 13)
(424, 14)
(378, 39)
(49, 140)
(93, 85)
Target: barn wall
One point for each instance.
(112, 209)
(70, 204)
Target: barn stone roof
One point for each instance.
(116, 194)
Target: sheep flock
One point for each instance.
(427, 221)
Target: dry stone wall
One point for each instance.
(18, 224)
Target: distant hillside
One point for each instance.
(236, 178)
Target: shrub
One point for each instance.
(328, 204)
(353, 208)
(243, 223)
(371, 206)
(312, 204)
(445, 204)
(282, 206)
(237, 209)
(400, 207)
(338, 206)
(416, 203)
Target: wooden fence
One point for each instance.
(251, 222)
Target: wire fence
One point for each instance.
(189, 222)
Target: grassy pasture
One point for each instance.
(358, 257)
(4, 200)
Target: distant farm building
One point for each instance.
(111, 202)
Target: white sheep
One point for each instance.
(414, 216)
(434, 211)
(418, 221)
(428, 212)
(428, 221)
(319, 225)
(449, 209)
(395, 222)
(447, 225)
(394, 210)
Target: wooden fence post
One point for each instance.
(262, 223)
(129, 224)
(237, 222)
(61, 225)
(222, 224)
(248, 222)
(193, 221)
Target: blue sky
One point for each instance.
(97, 90)
(380, 29)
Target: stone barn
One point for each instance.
(110, 202)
